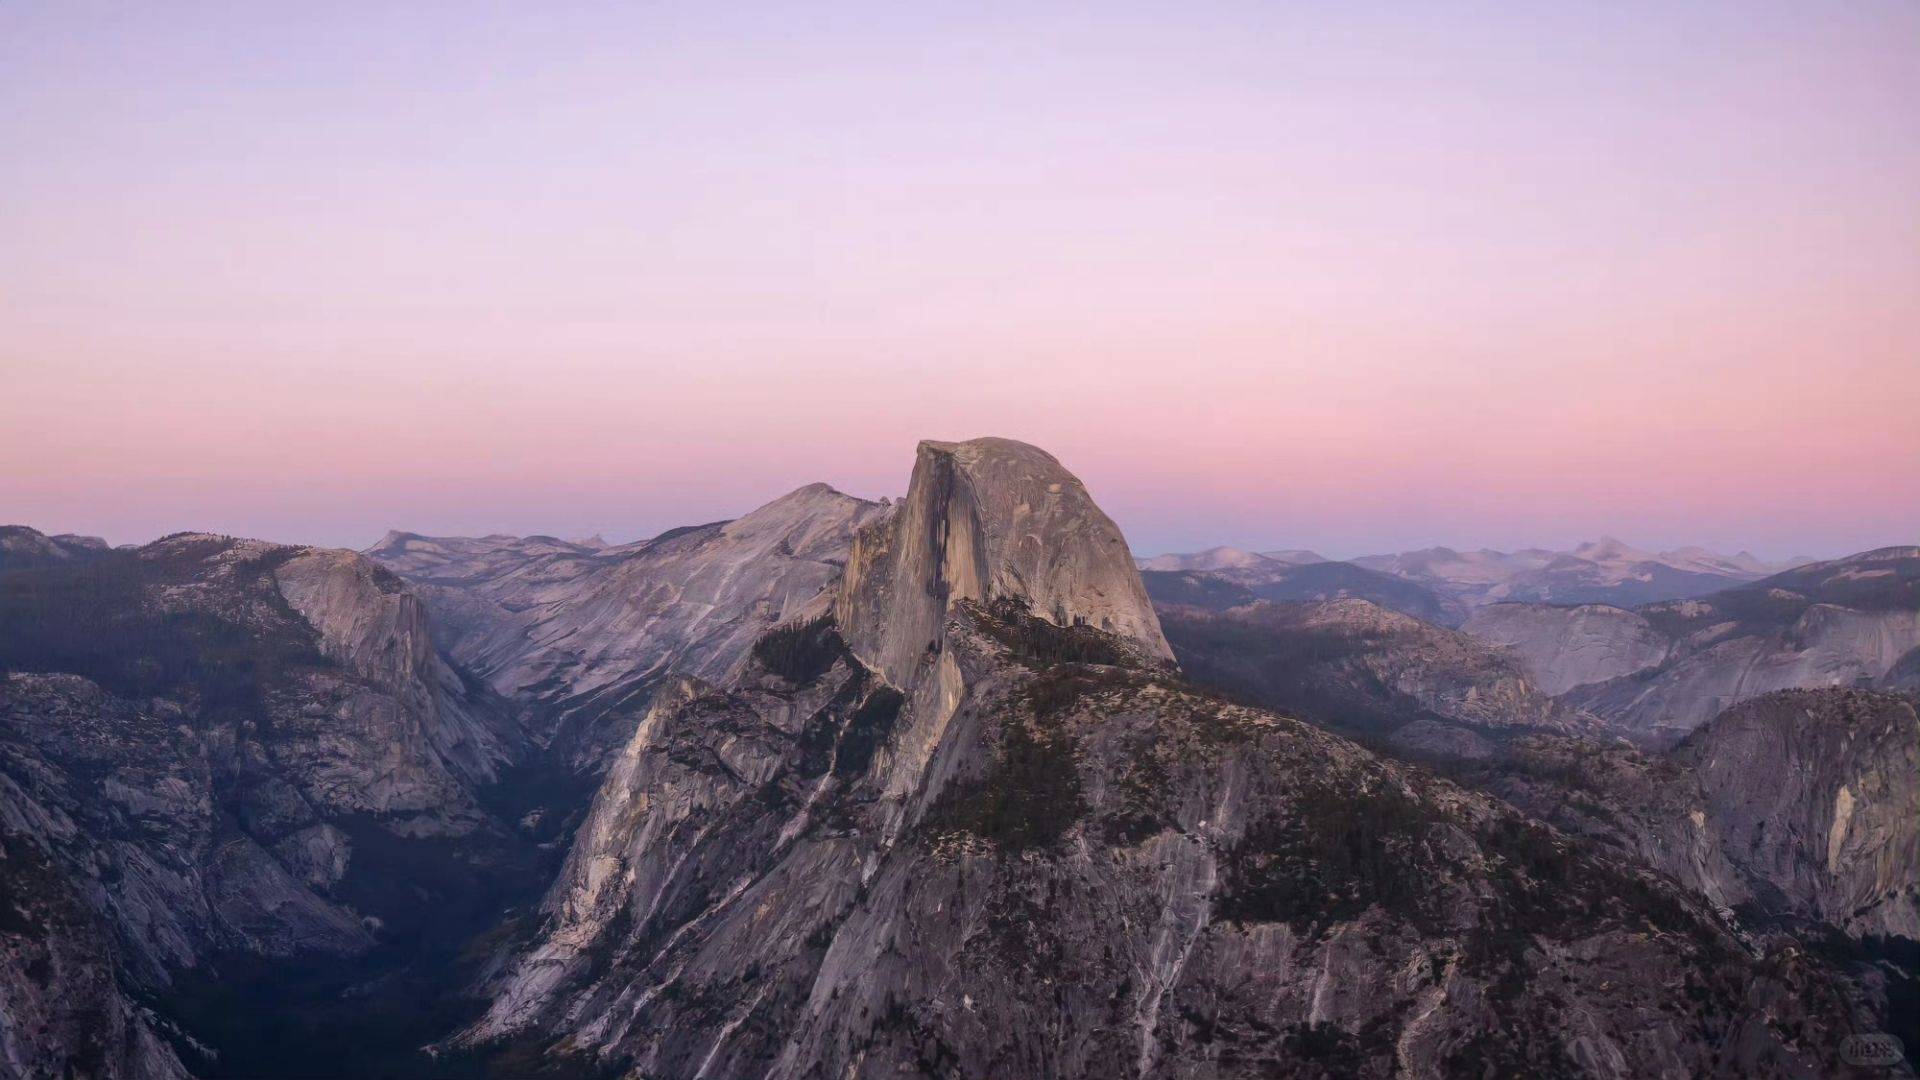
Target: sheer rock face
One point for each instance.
(588, 632)
(1817, 794)
(370, 623)
(983, 519)
(1565, 647)
(1800, 803)
(119, 873)
(1723, 662)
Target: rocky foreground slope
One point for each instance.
(972, 824)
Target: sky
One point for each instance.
(1351, 276)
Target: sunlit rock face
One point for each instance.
(983, 519)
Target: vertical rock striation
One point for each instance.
(984, 519)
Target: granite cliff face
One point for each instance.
(896, 788)
(1817, 794)
(971, 823)
(983, 519)
(1798, 803)
(586, 633)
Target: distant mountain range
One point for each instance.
(1450, 584)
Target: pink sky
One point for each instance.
(1355, 277)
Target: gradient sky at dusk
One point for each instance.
(1344, 275)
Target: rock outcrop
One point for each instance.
(986, 519)
(1816, 794)
(1099, 872)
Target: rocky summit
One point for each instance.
(936, 787)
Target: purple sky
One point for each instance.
(1349, 276)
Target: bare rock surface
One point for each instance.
(1565, 647)
(1817, 796)
(588, 632)
(983, 519)
(1800, 803)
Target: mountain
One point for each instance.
(1218, 558)
(857, 789)
(226, 764)
(1355, 667)
(1664, 668)
(22, 547)
(1222, 589)
(1798, 808)
(586, 634)
(969, 822)
(990, 518)
(1740, 564)
(1229, 558)
(1297, 556)
(1566, 647)
(1605, 571)
(1798, 803)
